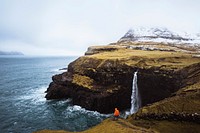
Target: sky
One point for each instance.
(69, 27)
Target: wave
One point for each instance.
(70, 110)
(36, 94)
(76, 108)
(59, 70)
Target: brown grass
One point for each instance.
(110, 126)
(83, 81)
(168, 126)
(141, 58)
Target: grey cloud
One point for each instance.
(72, 26)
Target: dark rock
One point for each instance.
(102, 83)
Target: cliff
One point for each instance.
(168, 82)
(96, 81)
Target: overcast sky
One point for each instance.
(68, 27)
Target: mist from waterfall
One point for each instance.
(135, 97)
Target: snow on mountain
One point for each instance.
(160, 35)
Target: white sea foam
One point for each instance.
(58, 70)
(39, 94)
(76, 108)
(34, 94)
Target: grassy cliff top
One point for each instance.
(127, 53)
(109, 126)
(145, 58)
(137, 126)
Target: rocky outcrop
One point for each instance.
(184, 105)
(102, 79)
(90, 84)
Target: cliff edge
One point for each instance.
(168, 82)
(102, 80)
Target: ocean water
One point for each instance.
(23, 108)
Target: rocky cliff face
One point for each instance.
(102, 79)
(94, 84)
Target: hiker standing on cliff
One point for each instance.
(116, 114)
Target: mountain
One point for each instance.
(163, 35)
(10, 53)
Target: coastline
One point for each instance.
(98, 77)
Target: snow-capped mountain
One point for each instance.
(160, 35)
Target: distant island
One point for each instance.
(11, 53)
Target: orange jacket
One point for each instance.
(116, 113)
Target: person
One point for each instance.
(116, 114)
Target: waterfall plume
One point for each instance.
(135, 97)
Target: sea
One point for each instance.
(23, 107)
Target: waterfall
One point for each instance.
(135, 97)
